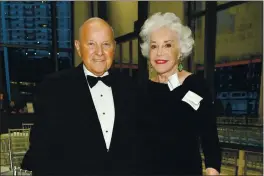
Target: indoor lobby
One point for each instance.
(37, 38)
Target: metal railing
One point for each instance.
(119, 62)
(247, 136)
(240, 121)
(240, 162)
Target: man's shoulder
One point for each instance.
(63, 75)
(67, 73)
(60, 79)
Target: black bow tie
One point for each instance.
(93, 80)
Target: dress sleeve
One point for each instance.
(208, 129)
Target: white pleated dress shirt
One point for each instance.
(104, 104)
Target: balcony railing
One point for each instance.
(240, 121)
(119, 62)
(240, 162)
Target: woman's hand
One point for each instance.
(211, 171)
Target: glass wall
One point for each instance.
(27, 51)
(238, 54)
(198, 51)
(26, 23)
(239, 59)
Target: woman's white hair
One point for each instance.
(171, 21)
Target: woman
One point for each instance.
(179, 107)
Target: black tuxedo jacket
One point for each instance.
(67, 138)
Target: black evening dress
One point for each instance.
(173, 131)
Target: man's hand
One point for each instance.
(211, 171)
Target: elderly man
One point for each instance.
(85, 115)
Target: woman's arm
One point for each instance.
(208, 134)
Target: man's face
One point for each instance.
(96, 46)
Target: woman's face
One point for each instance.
(164, 50)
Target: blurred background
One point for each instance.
(37, 38)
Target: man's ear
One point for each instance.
(114, 46)
(77, 46)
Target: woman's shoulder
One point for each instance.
(186, 77)
(196, 83)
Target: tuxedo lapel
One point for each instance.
(115, 85)
(88, 110)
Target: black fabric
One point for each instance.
(93, 80)
(172, 131)
(67, 138)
